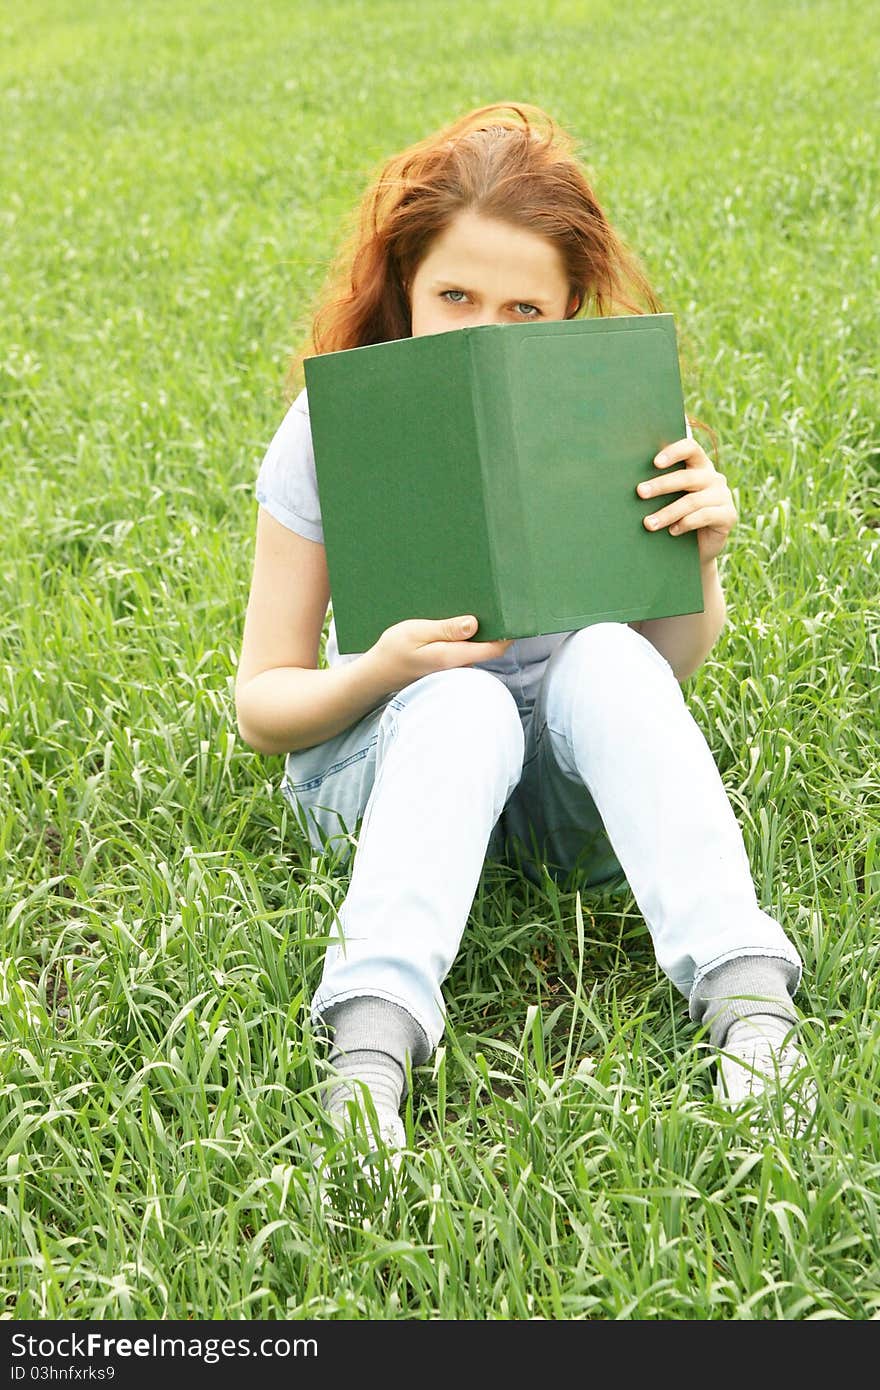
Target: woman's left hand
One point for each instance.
(707, 505)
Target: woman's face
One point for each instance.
(481, 270)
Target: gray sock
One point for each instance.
(743, 988)
(371, 1041)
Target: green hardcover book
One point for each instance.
(493, 471)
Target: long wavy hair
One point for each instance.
(508, 161)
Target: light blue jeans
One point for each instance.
(587, 759)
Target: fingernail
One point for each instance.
(660, 459)
(644, 489)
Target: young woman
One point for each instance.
(578, 746)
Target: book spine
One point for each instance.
(492, 388)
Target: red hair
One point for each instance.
(510, 162)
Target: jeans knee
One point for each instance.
(605, 670)
(612, 652)
(468, 709)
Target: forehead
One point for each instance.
(489, 248)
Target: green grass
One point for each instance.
(173, 180)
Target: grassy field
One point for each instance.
(173, 177)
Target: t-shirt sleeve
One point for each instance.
(286, 483)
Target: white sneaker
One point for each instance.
(758, 1061)
(390, 1137)
(386, 1131)
(376, 1153)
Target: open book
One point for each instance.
(493, 471)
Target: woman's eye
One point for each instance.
(529, 311)
(454, 296)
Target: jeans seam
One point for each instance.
(343, 995)
(312, 782)
(557, 733)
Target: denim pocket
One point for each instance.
(305, 781)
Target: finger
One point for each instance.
(722, 517)
(682, 480)
(461, 628)
(668, 516)
(451, 629)
(470, 653)
(487, 651)
(683, 451)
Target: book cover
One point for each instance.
(493, 470)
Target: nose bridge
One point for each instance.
(488, 315)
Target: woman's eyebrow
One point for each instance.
(452, 283)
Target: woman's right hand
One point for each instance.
(419, 646)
